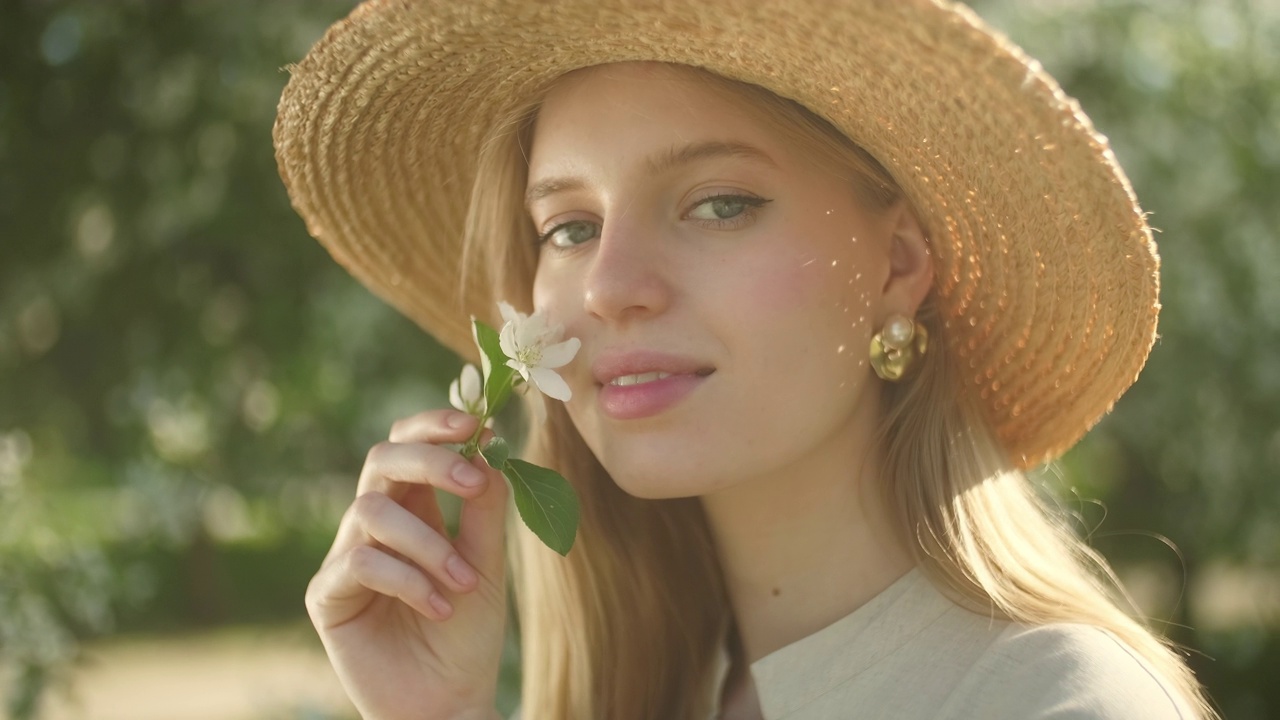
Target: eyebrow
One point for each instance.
(658, 164)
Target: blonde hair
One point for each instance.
(626, 626)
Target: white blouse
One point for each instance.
(911, 654)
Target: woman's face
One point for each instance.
(682, 236)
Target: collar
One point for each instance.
(793, 675)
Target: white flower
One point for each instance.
(535, 349)
(466, 393)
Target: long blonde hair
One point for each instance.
(626, 626)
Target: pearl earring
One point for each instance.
(897, 348)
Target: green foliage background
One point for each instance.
(188, 384)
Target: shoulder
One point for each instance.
(1067, 671)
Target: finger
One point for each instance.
(421, 501)
(482, 525)
(343, 588)
(434, 426)
(389, 463)
(385, 521)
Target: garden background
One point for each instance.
(188, 384)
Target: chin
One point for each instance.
(654, 488)
(665, 482)
(658, 466)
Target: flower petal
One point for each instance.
(558, 355)
(455, 398)
(472, 387)
(551, 383)
(520, 368)
(509, 314)
(529, 333)
(507, 340)
(547, 330)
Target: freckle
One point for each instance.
(777, 592)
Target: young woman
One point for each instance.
(840, 274)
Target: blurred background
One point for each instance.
(189, 385)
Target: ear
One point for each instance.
(910, 264)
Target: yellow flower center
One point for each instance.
(530, 356)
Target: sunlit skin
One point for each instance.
(779, 294)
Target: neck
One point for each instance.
(804, 548)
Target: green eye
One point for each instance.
(574, 232)
(722, 207)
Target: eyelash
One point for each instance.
(752, 203)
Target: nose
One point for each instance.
(629, 276)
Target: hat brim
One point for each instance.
(1046, 272)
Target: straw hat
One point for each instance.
(1046, 272)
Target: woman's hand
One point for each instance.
(397, 651)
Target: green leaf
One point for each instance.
(546, 501)
(496, 452)
(498, 377)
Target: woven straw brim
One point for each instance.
(1046, 271)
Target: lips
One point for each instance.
(639, 379)
(612, 364)
(654, 381)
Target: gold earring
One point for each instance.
(897, 349)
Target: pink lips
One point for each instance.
(632, 402)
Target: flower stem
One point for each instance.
(472, 446)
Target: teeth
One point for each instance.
(637, 379)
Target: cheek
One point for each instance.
(540, 298)
(823, 298)
(812, 324)
(548, 293)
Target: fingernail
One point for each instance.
(458, 420)
(441, 605)
(460, 570)
(467, 475)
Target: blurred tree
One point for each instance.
(1189, 95)
(187, 379)
(181, 367)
